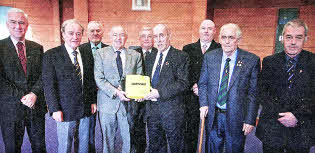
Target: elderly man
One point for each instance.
(112, 64)
(168, 69)
(95, 35)
(286, 94)
(196, 52)
(70, 88)
(21, 95)
(227, 92)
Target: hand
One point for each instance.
(154, 94)
(29, 100)
(195, 89)
(93, 108)
(139, 100)
(247, 128)
(288, 119)
(203, 112)
(122, 95)
(58, 116)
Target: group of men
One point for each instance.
(216, 82)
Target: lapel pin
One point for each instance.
(166, 63)
(239, 63)
(301, 71)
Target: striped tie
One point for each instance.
(222, 98)
(76, 64)
(290, 72)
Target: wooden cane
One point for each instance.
(201, 135)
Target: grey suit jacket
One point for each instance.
(242, 90)
(107, 76)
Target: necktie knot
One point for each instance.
(19, 44)
(228, 60)
(74, 53)
(118, 52)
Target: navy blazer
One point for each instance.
(242, 89)
(63, 89)
(275, 97)
(13, 82)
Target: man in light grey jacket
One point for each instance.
(112, 64)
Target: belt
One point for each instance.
(219, 110)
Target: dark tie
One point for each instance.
(222, 98)
(22, 56)
(76, 64)
(146, 54)
(290, 72)
(156, 74)
(119, 64)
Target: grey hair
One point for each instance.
(94, 22)
(117, 26)
(16, 10)
(234, 26)
(70, 21)
(296, 23)
(145, 28)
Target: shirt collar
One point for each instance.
(121, 50)
(70, 50)
(164, 52)
(232, 57)
(295, 59)
(15, 41)
(202, 44)
(143, 50)
(99, 45)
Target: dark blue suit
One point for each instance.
(241, 104)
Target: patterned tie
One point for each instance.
(146, 53)
(119, 64)
(76, 64)
(290, 72)
(222, 98)
(204, 48)
(156, 74)
(22, 56)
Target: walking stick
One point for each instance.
(201, 135)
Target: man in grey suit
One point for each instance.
(112, 64)
(227, 93)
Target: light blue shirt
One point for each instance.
(93, 47)
(231, 68)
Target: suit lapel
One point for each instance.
(217, 68)
(237, 68)
(127, 61)
(167, 63)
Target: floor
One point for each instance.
(253, 145)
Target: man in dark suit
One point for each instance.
(69, 86)
(286, 94)
(227, 93)
(196, 51)
(95, 35)
(21, 95)
(168, 68)
(146, 43)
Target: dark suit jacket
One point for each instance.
(139, 50)
(87, 46)
(274, 95)
(13, 82)
(196, 57)
(242, 89)
(63, 89)
(173, 81)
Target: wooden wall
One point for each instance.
(182, 16)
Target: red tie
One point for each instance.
(22, 55)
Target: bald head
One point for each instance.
(162, 35)
(206, 31)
